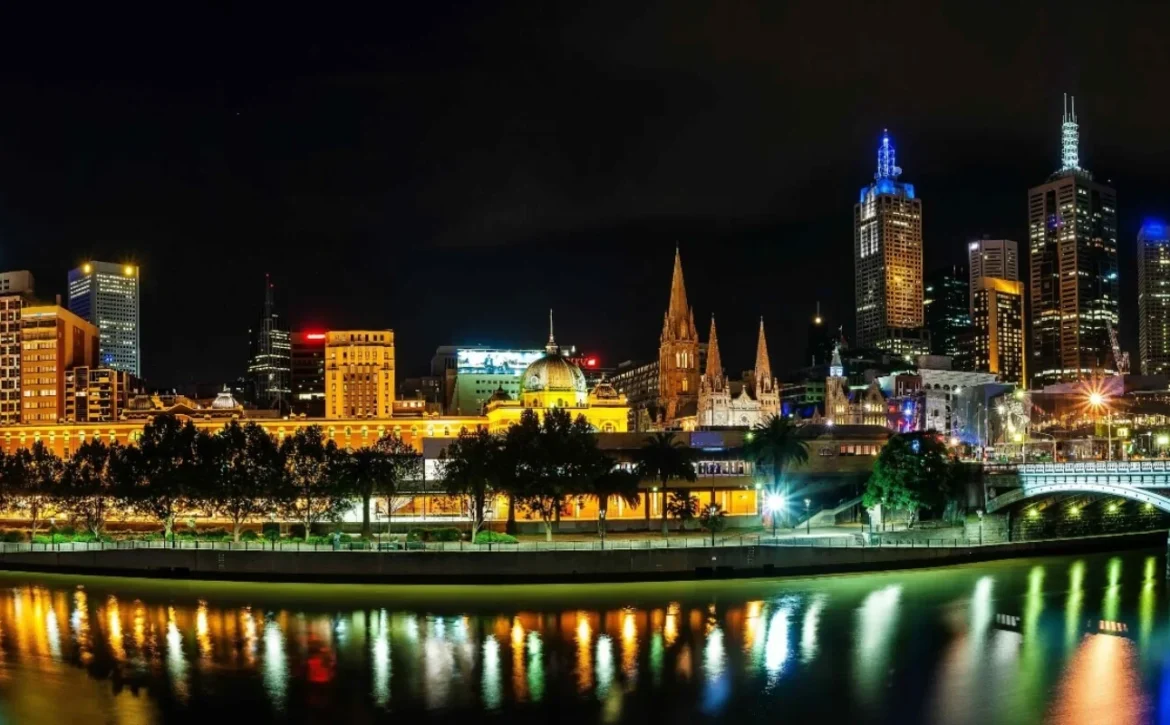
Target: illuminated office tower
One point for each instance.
(997, 340)
(1154, 297)
(359, 374)
(998, 258)
(16, 290)
(107, 295)
(270, 365)
(887, 258)
(1072, 248)
(53, 342)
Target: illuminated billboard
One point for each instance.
(495, 362)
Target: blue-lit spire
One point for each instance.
(886, 168)
(1070, 136)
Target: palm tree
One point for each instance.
(614, 483)
(471, 467)
(775, 444)
(662, 458)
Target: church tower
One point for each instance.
(678, 353)
(714, 391)
(767, 392)
(837, 403)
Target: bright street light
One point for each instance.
(775, 506)
(1096, 399)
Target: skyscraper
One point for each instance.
(946, 310)
(54, 341)
(678, 353)
(270, 366)
(887, 257)
(16, 290)
(1072, 239)
(998, 258)
(106, 295)
(997, 341)
(359, 374)
(308, 374)
(1154, 297)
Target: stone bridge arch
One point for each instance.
(1024, 493)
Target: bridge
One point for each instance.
(1134, 480)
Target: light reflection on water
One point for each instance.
(1003, 642)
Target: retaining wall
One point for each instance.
(516, 566)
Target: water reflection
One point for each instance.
(1008, 642)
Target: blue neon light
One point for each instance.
(1153, 229)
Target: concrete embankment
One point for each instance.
(540, 566)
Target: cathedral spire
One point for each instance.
(679, 321)
(714, 362)
(763, 365)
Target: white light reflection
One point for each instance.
(492, 687)
(776, 648)
(808, 629)
(535, 667)
(876, 621)
(275, 664)
(176, 663)
(380, 647)
(604, 667)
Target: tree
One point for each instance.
(33, 477)
(312, 489)
(613, 483)
(377, 470)
(663, 458)
(775, 444)
(713, 519)
(520, 450)
(473, 466)
(162, 470)
(682, 506)
(558, 466)
(911, 473)
(93, 483)
(242, 468)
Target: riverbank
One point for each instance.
(497, 567)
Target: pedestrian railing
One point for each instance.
(375, 546)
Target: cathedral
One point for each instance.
(689, 400)
(844, 406)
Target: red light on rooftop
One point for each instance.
(314, 335)
(590, 362)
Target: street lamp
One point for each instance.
(775, 506)
(807, 518)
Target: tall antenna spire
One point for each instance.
(1069, 137)
(886, 168)
(551, 348)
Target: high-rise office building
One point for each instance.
(270, 366)
(308, 373)
(359, 374)
(1072, 246)
(1154, 297)
(94, 395)
(997, 342)
(16, 290)
(53, 341)
(998, 258)
(945, 304)
(107, 295)
(887, 258)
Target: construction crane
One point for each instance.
(1119, 357)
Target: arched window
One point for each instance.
(608, 427)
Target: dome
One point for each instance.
(552, 373)
(499, 395)
(224, 401)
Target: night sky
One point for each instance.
(452, 172)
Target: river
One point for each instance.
(1063, 639)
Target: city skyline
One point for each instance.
(397, 176)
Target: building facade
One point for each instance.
(946, 310)
(107, 295)
(1154, 297)
(270, 363)
(307, 373)
(16, 291)
(887, 254)
(480, 371)
(1072, 244)
(998, 336)
(53, 341)
(998, 258)
(845, 405)
(96, 395)
(745, 404)
(359, 374)
(639, 383)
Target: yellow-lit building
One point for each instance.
(359, 374)
(553, 381)
(53, 341)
